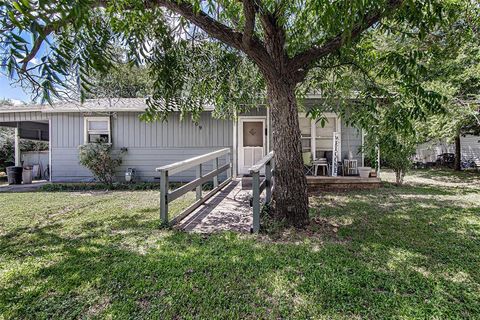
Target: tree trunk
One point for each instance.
(399, 175)
(290, 199)
(458, 154)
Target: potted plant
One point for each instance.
(364, 172)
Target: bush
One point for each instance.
(57, 187)
(98, 158)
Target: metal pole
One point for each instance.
(17, 146)
(164, 197)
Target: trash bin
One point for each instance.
(27, 175)
(14, 175)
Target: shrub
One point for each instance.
(66, 187)
(396, 151)
(98, 158)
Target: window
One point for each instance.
(306, 132)
(97, 130)
(317, 138)
(324, 134)
(253, 134)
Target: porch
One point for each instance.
(330, 147)
(319, 183)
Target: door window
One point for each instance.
(253, 134)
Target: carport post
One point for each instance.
(17, 146)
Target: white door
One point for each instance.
(251, 142)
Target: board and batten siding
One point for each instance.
(149, 145)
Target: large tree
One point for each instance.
(283, 40)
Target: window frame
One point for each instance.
(88, 132)
(313, 131)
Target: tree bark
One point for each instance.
(458, 154)
(290, 199)
(399, 175)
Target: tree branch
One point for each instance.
(36, 47)
(211, 26)
(255, 50)
(303, 61)
(249, 13)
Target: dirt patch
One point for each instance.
(320, 230)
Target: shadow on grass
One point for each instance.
(449, 175)
(416, 257)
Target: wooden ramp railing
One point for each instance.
(258, 187)
(167, 196)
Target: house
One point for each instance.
(149, 145)
(469, 149)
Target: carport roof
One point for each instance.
(91, 105)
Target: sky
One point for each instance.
(15, 92)
(7, 91)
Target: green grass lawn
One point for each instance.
(396, 252)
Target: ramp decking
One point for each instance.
(228, 210)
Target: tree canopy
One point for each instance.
(234, 54)
(78, 38)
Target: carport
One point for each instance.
(31, 130)
(29, 123)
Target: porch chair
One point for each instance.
(307, 163)
(329, 157)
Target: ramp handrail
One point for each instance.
(258, 187)
(167, 196)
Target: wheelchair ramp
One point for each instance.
(228, 210)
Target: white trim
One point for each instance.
(20, 110)
(313, 138)
(86, 132)
(95, 111)
(235, 143)
(363, 143)
(17, 146)
(49, 150)
(240, 121)
(313, 130)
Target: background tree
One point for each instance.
(283, 41)
(123, 81)
(442, 66)
(456, 74)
